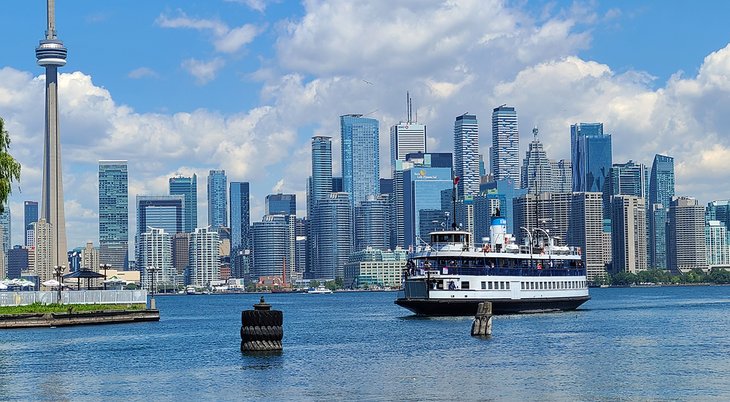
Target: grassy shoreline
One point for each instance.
(65, 308)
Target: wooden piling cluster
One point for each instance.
(261, 328)
(482, 325)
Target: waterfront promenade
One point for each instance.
(658, 343)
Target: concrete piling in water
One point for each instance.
(482, 325)
(261, 328)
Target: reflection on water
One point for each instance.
(362, 346)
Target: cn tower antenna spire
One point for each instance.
(51, 17)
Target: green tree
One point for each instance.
(313, 283)
(9, 167)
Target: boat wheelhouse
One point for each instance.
(450, 276)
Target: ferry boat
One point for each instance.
(450, 276)
(321, 290)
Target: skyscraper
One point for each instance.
(240, 215)
(30, 216)
(360, 157)
(504, 152)
(217, 198)
(333, 236)
(281, 204)
(274, 246)
(628, 233)
(204, 257)
(586, 231)
(405, 138)
(422, 186)
(629, 178)
(716, 243)
(537, 170)
(5, 225)
(686, 235)
(591, 157)
(51, 54)
(113, 214)
(372, 224)
(661, 180)
(44, 252)
(188, 188)
(155, 259)
(321, 180)
(661, 192)
(158, 212)
(466, 155)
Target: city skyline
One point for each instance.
(131, 111)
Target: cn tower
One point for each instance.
(51, 54)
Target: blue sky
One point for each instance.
(187, 86)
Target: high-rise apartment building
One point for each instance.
(333, 236)
(321, 168)
(716, 244)
(661, 192)
(504, 152)
(181, 256)
(188, 188)
(661, 180)
(656, 237)
(240, 215)
(372, 223)
(281, 204)
(114, 214)
(44, 250)
(686, 235)
(30, 216)
(274, 246)
(719, 210)
(360, 157)
(628, 234)
(466, 155)
(586, 231)
(155, 259)
(217, 198)
(204, 257)
(158, 212)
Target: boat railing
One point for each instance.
(523, 250)
(482, 271)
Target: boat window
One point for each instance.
(465, 285)
(522, 285)
(484, 285)
(501, 285)
(489, 285)
(507, 285)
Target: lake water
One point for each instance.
(661, 343)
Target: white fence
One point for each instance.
(74, 297)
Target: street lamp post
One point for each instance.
(58, 269)
(104, 267)
(152, 270)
